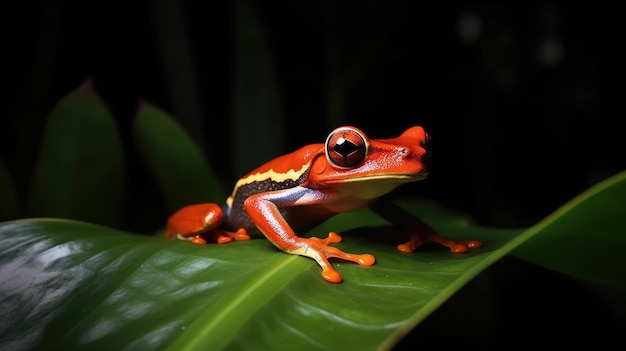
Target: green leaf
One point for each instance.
(179, 167)
(8, 198)
(585, 238)
(104, 289)
(72, 285)
(80, 169)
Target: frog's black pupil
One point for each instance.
(345, 147)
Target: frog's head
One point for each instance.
(350, 156)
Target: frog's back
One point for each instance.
(284, 172)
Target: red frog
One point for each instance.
(295, 192)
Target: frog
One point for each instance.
(295, 192)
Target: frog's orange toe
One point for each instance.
(474, 244)
(333, 238)
(223, 239)
(406, 248)
(198, 240)
(366, 260)
(331, 275)
(464, 246)
(240, 234)
(458, 248)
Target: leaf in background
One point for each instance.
(568, 242)
(585, 239)
(79, 173)
(180, 169)
(73, 285)
(8, 194)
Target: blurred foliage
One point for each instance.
(80, 171)
(80, 160)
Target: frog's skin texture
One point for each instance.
(295, 192)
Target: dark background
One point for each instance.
(524, 102)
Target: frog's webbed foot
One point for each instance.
(419, 232)
(319, 250)
(429, 236)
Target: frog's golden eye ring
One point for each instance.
(346, 147)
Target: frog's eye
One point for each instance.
(346, 147)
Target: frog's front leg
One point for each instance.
(419, 232)
(264, 210)
(198, 222)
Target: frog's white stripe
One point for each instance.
(268, 175)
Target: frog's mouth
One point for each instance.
(401, 177)
(384, 178)
(373, 186)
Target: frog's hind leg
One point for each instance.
(200, 222)
(419, 232)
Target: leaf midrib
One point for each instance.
(214, 328)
